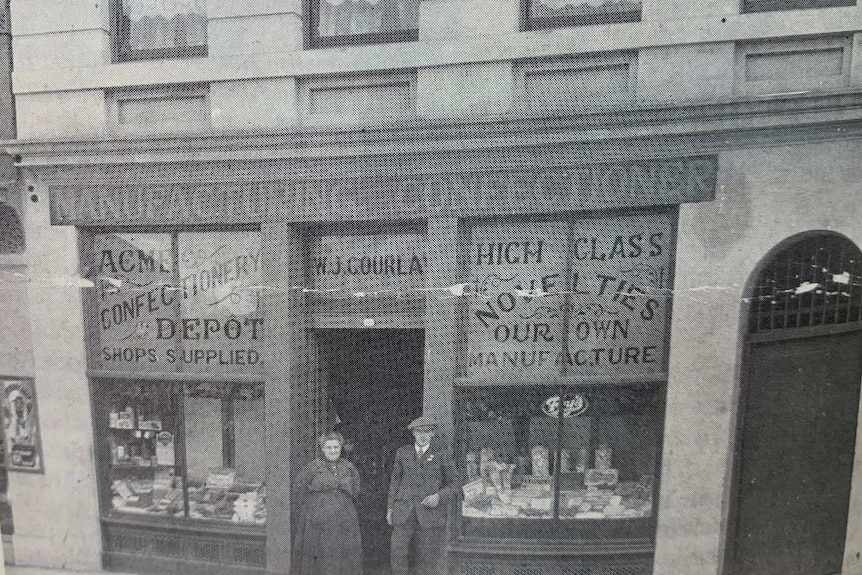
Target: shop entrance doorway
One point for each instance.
(373, 387)
(799, 412)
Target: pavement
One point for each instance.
(19, 570)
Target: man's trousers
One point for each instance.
(429, 548)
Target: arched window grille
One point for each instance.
(813, 282)
(11, 233)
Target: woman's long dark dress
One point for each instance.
(327, 541)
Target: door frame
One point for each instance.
(745, 343)
(322, 338)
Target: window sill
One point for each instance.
(538, 547)
(166, 54)
(187, 525)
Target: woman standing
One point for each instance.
(327, 540)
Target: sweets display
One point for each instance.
(228, 497)
(503, 491)
(161, 494)
(240, 501)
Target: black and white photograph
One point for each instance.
(431, 287)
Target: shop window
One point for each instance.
(558, 13)
(560, 405)
(339, 22)
(770, 5)
(562, 463)
(146, 29)
(171, 312)
(184, 450)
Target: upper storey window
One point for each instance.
(160, 28)
(767, 5)
(339, 22)
(554, 13)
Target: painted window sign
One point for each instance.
(620, 292)
(345, 266)
(196, 309)
(516, 322)
(21, 425)
(135, 289)
(586, 298)
(220, 325)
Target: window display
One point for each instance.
(142, 427)
(185, 450)
(557, 455)
(224, 452)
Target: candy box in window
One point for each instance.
(601, 477)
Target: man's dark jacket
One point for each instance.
(414, 479)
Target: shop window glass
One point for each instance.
(135, 301)
(187, 302)
(336, 22)
(163, 437)
(559, 462)
(224, 450)
(558, 13)
(160, 28)
(142, 426)
(220, 321)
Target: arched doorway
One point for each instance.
(799, 409)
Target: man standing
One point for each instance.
(422, 485)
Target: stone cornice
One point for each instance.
(467, 144)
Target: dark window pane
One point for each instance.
(345, 17)
(224, 452)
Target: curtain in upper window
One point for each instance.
(336, 18)
(152, 28)
(550, 13)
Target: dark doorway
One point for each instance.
(374, 387)
(800, 406)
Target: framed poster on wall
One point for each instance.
(21, 425)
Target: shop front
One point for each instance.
(239, 309)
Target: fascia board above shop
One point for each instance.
(597, 135)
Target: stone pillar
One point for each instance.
(285, 363)
(441, 322)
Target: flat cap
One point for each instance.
(422, 422)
